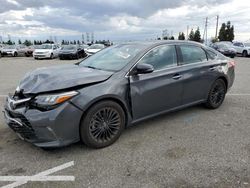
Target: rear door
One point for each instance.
(198, 73)
(160, 90)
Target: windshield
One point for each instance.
(247, 44)
(96, 46)
(224, 45)
(113, 58)
(10, 47)
(45, 46)
(68, 47)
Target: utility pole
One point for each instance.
(205, 31)
(217, 23)
(187, 32)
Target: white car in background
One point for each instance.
(10, 50)
(94, 48)
(46, 51)
(242, 48)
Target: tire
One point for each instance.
(97, 130)
(15, 54)
(51, 56)
(244, 53)
(232, 56)
(216, 94)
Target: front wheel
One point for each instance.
(244, 54)
(15, 54)
(102, 124)
(51, 56)
(216, 94)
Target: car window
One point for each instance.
(161, 57)
(211, 54)
(192, 54)
(236, 44)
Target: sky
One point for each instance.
(118, 20)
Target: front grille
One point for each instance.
(25, 130)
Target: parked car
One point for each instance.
(94, 48)
(94, 100)
(71, 52)
(10, 50)
(1, 47)
(226, 48)
(242, 48)
(84, 46)
(30, 49)
(46, 51)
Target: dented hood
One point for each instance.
(60, 77)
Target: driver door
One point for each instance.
(160, 90)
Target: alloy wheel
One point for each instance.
(105, 124)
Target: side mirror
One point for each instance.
(144, 68)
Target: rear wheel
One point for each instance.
(102, 124)
(244, 54)
(15, 54)
(51, 56)
(216, 94)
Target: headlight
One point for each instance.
(50, 101)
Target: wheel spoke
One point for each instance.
(105, 124)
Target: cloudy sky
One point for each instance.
(118, 20)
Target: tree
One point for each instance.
(181, 36)
(230, 31)
(191, 35)
(214, 40)
(9, 42)
(197, 35)
(27, 43)
(19, 41)
(165, 38)
(226, 32)
(171, 38)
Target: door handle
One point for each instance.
(176, 76)
(212, 68)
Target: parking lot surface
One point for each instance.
(194, 147)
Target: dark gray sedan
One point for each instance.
(94, 100)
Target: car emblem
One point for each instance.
(12, 105)
(18, 89)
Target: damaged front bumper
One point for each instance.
(53, 128)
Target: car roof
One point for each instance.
(160, 42)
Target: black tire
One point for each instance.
(216, 94)
(15, 54)
(51, 56)
(244, 53)
(232, 56)
(103, 124)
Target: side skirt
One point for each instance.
(167, 111)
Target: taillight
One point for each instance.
(231, 63)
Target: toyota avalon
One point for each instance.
(95, 99)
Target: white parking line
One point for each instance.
(42, 176)
(239, 94)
